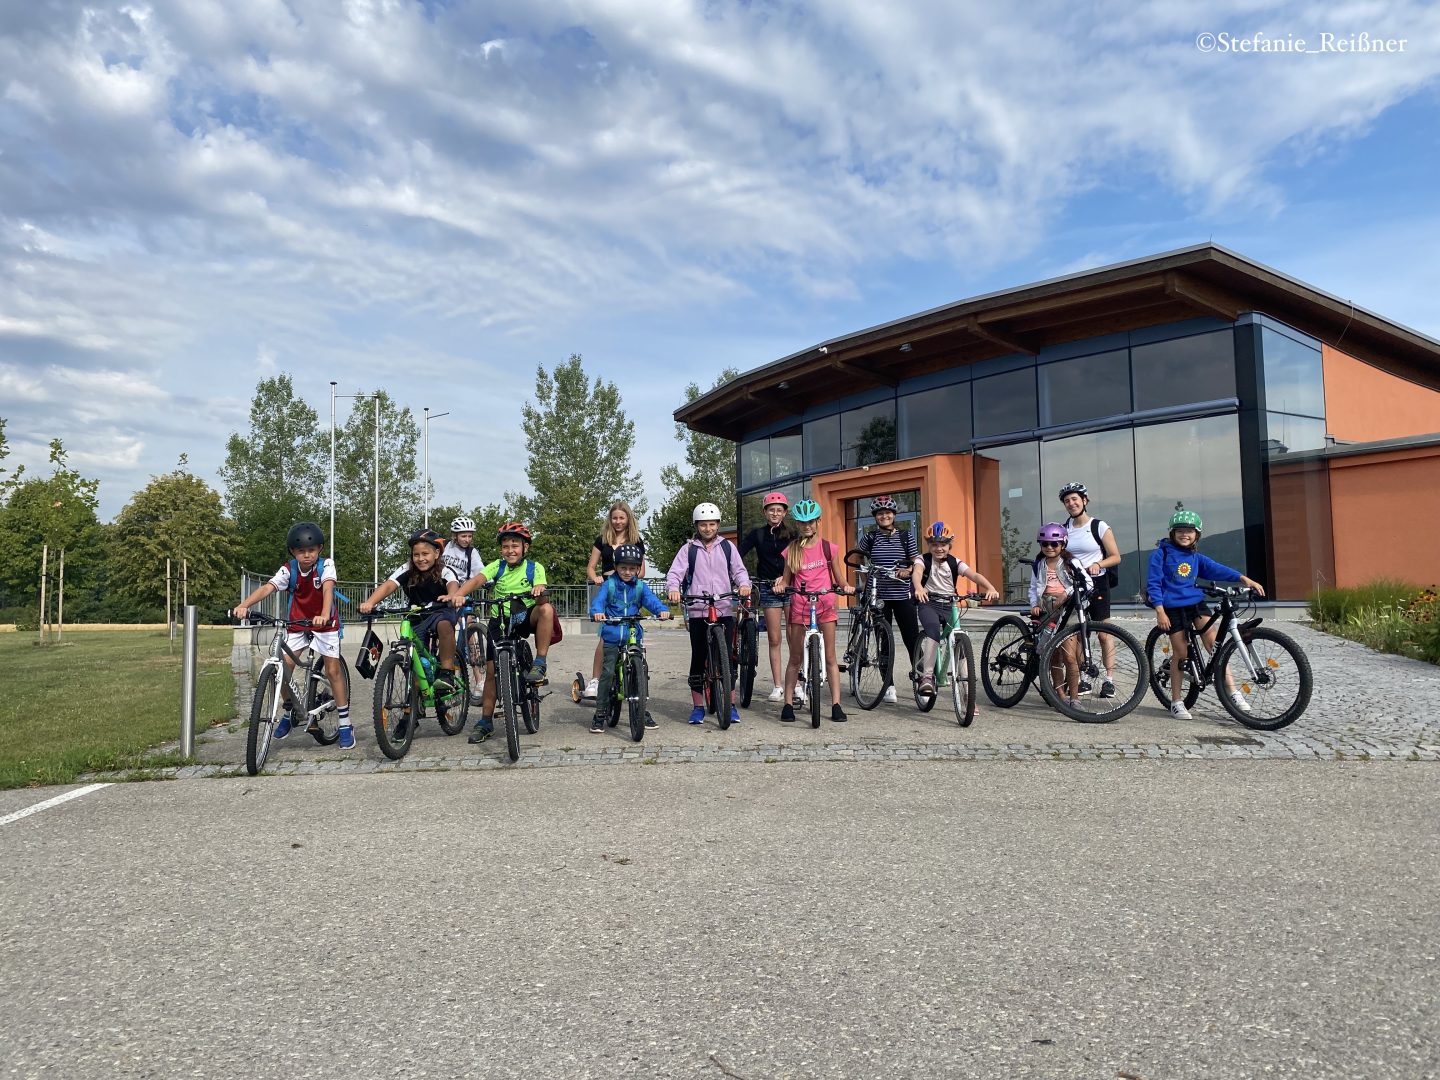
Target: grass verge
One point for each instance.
(1388, 616)
(101, 701)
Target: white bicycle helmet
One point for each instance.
(706, 512)
(462, 524)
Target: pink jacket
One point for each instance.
(712, 575)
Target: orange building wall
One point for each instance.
(1363, 403)
(1381, 503)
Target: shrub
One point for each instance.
(1336, 606)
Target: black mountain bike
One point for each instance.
(1061, 654)
(869, 656)
(517, 697)
(1271, 675)
(746, 654)
(718, 678)
(405, 684)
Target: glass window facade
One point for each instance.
(1105, 463)
(1014, 501)
(935, 422)
(867, 435)
(1184, 370)
(821, 441)
(1291, 434)
(1005, 403)
(786, 455)
(1294, 376)
(1196, 462)
(754, 462)
(1085, 388)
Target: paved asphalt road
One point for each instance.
(1122, 919)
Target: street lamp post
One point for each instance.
(428, 417)
(357, 397)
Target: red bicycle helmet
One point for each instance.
(775, 498)
(516, 529)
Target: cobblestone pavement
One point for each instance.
(1366, 705)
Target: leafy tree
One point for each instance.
(58, 511)
(580, 442)
(708, 476)
(401, 505)
(180, 517)
(277, 474)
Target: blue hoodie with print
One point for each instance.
(1174, 572)
(618, 597)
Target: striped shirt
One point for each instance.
(899, 549)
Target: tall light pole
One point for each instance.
(428, 417)
(356, 397)
(376, 578)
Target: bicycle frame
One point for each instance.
(279, 649)
(1231, 629)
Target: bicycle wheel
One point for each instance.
(870, 673)
(527, 694)
(637, 694)
(265, 711)
(1158, 651)
(749, 643)
(1007, 661)
(323, 726)
(962, 677)
(452, 709)
(1130, 674)
(397, 705)
(720, 677)
(923, 701)
(812, 657)
(1280, 690)
(505, 677)
(475, 660)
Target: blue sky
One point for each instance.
(438, 197)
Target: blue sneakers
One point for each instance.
(283, 728)
(697, 714)
(347, 737)
(734, 715)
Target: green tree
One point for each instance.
(580, 442)
(180, 517)
(58, 511)
(707, 476)
(401, 505)
(276, 474)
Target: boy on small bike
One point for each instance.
(1170, 586)
(708, 563)
(941, 574)
(512, 575)
(312, 598)
(622, 594)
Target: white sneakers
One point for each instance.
(777, 694)
(890, 698)
(1178, 710)
(592, 688)
(1239, 699)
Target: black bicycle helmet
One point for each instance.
(427, 536)
(629, 555)
(304, 534)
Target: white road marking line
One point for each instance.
(48, 803)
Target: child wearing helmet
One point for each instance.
(425, 579)
(310, 581)
(622, 594)
(940, 577)
(460, 554)
(707, 563)
(1054, 575)
(769, 542)
(1171, 587)
(513, 575)
(811, 565)
(620, 528)
(888, 546)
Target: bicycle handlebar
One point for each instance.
(270, 620)
(710, 598)
(1227, 590)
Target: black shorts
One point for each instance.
(1099, 599)
(496, 628)
(1186, 616)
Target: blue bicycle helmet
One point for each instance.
(806, 510)
(939, 533)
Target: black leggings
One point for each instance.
(907, 619)
(700, 648)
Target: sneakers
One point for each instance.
(482, 731)
(800, 697)
(650, 720)
(777, 694)
(890, 698)
(927, 686)
(697, 715)
(597, 724)
(592, 689)
(444, 681)
(787, 714)
(347, 738)
(1178, 710)
(1107, 687)
(536, 675)
(402, 727)
(734, 715)
(837, 714)
(283, 728)
(1239, 699)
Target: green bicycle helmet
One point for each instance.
(1186, 517)
(806, 510)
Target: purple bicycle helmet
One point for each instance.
(1051, 532)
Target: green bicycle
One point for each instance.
(404, 686)
(954, 647)
(631, 680)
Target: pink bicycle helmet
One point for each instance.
(775, 498)
(1051, 532)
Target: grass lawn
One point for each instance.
(101, 700)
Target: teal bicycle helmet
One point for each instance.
(806, 510)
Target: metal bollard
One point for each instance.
(187, 683)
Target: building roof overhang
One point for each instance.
(1205, 280)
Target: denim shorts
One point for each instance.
(769, 598)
